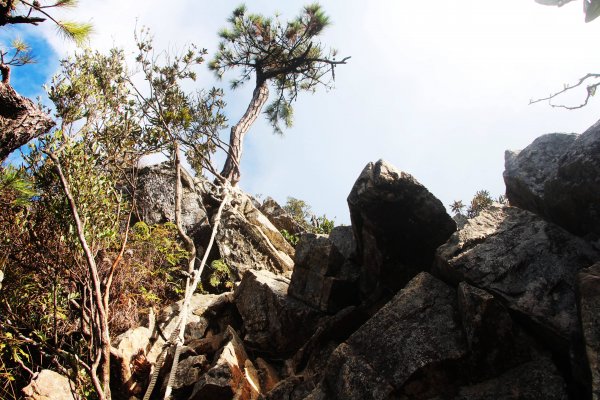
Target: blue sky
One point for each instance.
(439, 89)
(28, 79)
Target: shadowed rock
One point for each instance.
(416, 329)
(527, 171)
(398, 224)
(325, 276)
(274, 323)
(588, 285)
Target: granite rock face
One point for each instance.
(325, 275)
(398, 224)
(529, 263)
(573, 197)
(155, 197)
(274, 322)
(418, 328)
(279, 217)
(588, 285)
(527, 171)
(248, 240)
(557, 177)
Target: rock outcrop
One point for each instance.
(572, 197)
(527, 171)
(325, 274)
(400, 305)
(279, 217)
(398, 224)
(155, 196)
(588, 284)
(248, 240)
(531, 266)
(404, 337)
(556, 177)
(274, 322)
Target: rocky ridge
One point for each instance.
(402, 304)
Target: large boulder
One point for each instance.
(155, 196)
(248, 240)
(274, 323)
(324, 275)
(588, 284)
(556, 177)
(398, 224)
(527, 263)
(527, 171)
(416, 330)
(49, 385)
(573, 197)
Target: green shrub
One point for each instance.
(220, 278)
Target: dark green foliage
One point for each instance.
(287, 54)
(290, 237)
(479, 202)
(457, 207)
(15, 186)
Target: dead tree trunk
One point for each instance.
(20, 120)
(231, 169)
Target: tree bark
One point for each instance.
(20, 121)
(231, 169)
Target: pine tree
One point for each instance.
(287, 56)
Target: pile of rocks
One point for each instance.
(401, 305)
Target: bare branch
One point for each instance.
(591, 89)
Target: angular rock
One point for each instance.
(311, 359)
(588, 296)
(526, 262)
(226, 379)
(323, 276)
(155, 197)
(495, 342)
(248, 240)
(573, 196)
(274, 322)
(279, 217)
(417, 329)
(527, 171)
(398, 224)
(536, 380)
(49, 385)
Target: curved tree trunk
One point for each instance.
(20, 120)
(231, 169)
